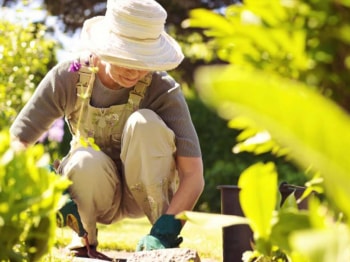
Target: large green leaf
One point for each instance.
(258, 196)
(207, 220)
(315, 129)
(217, 25)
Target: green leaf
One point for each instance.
(218, 24)
(258, 197)
(296, 116)
(325, 245)
(207, 220)
(288, 221)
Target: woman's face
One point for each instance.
(124, 77)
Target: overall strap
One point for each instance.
(84, 76)
(84, 88)
(137, 94)
(82, 85)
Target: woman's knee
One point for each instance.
(91, 169)
(95, 182)
(144, 121)
(144, 115)
(146, 127)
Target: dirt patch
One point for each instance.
(168, 255)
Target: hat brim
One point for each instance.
(163, 53)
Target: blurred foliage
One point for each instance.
(299, 40)
(285, 77)
(229, 89)
(302, 40)
(25, 55)
(221, 166)
(74, 13)
(29, 194)
(29, 198)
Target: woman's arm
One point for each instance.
(17, 144)
(190, 170)
(50, 101)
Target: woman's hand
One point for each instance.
(18, 145)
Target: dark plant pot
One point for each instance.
(287, 189)
(237, 238)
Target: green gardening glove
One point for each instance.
(68, 215)
(164, 234)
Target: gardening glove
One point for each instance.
(164, 234)
(69, 216)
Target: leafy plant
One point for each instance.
(25, 55)
(301, 40)
(221, 166)
(29, 198)
(285, 54)
(298, 129)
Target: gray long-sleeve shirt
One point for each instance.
(55, 97)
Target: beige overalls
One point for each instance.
(133, 174)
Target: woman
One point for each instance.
(134, 150)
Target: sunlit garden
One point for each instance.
(268, 86)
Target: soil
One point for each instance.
(124, 256)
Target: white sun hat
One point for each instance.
(132, 35)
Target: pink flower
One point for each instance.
(74, 66)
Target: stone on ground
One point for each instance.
(162, 255)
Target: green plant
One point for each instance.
(221, 166)
(301, 135)
(326, 156)
(301, 40)
(25, 55)
(260, 201)
(285, 54)
(29, 198)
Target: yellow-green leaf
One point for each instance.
(211, 220)
(258, 196)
